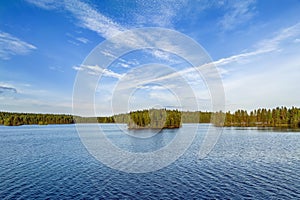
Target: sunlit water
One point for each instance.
(51, 162)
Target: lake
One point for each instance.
(39, 162)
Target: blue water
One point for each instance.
(51, 162)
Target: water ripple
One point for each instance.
(50, 162)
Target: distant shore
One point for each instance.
(279, 117)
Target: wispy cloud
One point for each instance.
(238, 12)
(151, 87)
(263, 47)
(273, 84)
(11, 45)
(75, 39)
(5, 89)
(87, 16)
(272, 78)
(45, 4)
(56, 68)
(82, 40)
(287, 33)
(91, 19)
(96, 70)
(157, 13)
(122, 62)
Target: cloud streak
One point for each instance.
(96, 71)
(87, 17)
(5, 89)
(265, 46)
(82, 40)
(11, 45)
(238, 13)
(157, 13)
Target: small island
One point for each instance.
(154, 119)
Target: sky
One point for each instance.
(45, 45)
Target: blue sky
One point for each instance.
(43, 44)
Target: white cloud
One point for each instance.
(45, 4)
(152, 87)
(265, 46)
(238, 13)
(122, 62)
(73, 42)
(125, 65)
(165, 56)
(11, 45)
(91, 19)
(269, 77)
(96, 70)
(87, 16)
(157, 13)
(75, 39)
(286, 33)
(82, 39)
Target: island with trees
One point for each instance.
(281, 117)
(154, 119)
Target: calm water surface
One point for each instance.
(51, 162)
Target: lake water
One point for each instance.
(51, 162)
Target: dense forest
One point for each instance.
(154, 119)
(186, 117)
(17, 119)
(277, 117)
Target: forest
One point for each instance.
(154, 119)
(277, 117)
(17, 119)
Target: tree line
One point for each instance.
(17, 119)
(276, 117)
